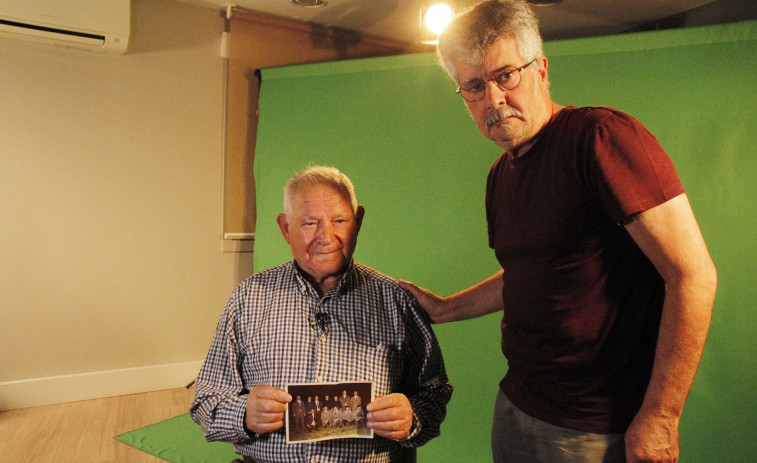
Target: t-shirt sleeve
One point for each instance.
(631, 172)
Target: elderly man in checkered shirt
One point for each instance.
(321, 317)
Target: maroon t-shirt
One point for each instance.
(582, 302)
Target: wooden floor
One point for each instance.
(83, 431)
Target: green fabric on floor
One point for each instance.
(178, 440)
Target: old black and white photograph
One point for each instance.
(323, 411)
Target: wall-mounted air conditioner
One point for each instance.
(96, 25)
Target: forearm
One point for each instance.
(481, 299)
(425, 382)
(683, 330)
(220, 417)
(220, 395)
(429, 410)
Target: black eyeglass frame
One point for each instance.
(497, 79)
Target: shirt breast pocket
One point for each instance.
(381, 364)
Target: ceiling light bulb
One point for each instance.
(437, 18)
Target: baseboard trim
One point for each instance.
(95, 385)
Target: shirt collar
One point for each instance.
(342, 286)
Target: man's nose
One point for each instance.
(494, 95)
(325, 232)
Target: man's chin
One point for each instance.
(499, 133)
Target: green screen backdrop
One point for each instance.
(397, 129)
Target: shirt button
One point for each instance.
(319, 379)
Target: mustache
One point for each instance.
(501, 113)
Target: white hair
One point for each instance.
(475, 29)
(319, 175)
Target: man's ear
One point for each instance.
(281, 219)
(359, 214)
(543, 69)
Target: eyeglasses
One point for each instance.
(505, 79)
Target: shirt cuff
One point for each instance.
(415, 429)
(241, 420)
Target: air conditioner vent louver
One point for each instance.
(103, 25)
(53, 30)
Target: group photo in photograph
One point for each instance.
(323, 411)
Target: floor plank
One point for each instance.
(83, 431)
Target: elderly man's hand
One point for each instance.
(390, 416)
(266, 406)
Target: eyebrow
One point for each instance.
(496, 71)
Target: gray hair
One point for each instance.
(319, 175)
(475, 29)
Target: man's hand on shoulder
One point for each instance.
(433, 305)
(265, 410)
(481, 299)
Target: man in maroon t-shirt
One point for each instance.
(606, 284)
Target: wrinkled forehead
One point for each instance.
(305, 191)
(499, 54)
(498, 57)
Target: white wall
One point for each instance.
(110, 210)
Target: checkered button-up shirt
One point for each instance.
(267, 335)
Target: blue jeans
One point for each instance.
(520, 438)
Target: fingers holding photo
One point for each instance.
(391, 416)
(265, 410)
